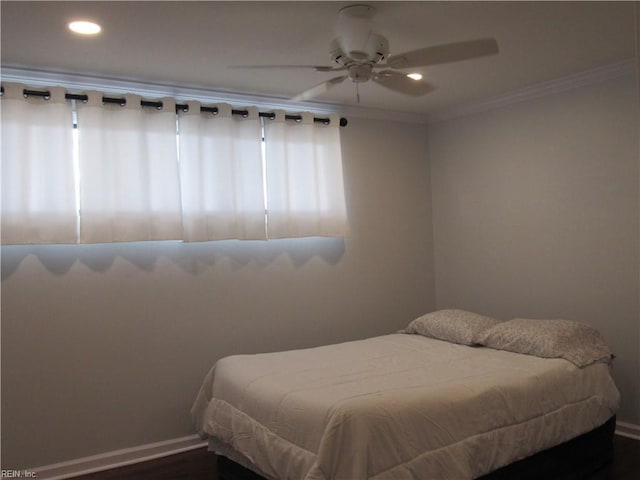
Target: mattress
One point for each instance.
(396, 407)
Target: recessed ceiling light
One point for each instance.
(415, 76)
(84, 27)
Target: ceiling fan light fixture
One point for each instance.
(415, 76)
(359, 73)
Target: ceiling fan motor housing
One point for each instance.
(374, 50)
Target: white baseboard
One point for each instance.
(630, 430)
(118, 458)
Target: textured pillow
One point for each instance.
(456, 326)
(573, 341)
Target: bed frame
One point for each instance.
(572, 460)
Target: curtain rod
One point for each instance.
(179, 106)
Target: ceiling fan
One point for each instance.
(363, 55)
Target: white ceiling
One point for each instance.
(190, 44)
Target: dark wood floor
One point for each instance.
(200, 465)
(192, 465)
(626, 461)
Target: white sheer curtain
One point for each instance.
(129, 183)
(38, 192)
(144, 174)
(305, 192)
(221, 174)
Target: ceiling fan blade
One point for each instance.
(449, 52)
(317, 68)
(399, 82)
(319, 89)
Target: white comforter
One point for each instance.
(396, 407)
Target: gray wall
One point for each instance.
(105, 346)
(536, 215)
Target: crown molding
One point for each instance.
(569, 82)
(82, 82)
(77, 83)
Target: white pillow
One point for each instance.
(452, 325)
(581, 344)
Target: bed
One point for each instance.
(455, 395)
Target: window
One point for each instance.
(141, 173)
